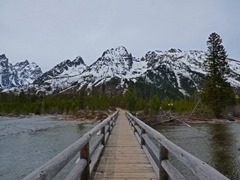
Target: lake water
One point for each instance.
(216, 144)
(27, 143)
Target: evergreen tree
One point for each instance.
(131, 98)
(217, 92)
(154, 104)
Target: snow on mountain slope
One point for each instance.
(22, 73)
(27, 72)
(172, 73)
(182, 70)
(114, 63)
(179, 68)
(62, 75)
(5, 72)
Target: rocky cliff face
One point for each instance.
(114, 64)
(60, 77)
(22, 73)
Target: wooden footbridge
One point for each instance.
(125, 148)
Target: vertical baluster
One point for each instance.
(85, 155)
(163, 155)
(134, 129)
(103, 132)
(109, 126)
(142, 139)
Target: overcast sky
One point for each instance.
(50, 31)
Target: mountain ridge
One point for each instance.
(172, 72)
(19, 74)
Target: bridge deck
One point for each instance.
(123, 157)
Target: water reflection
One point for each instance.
(80, 128)
(223, 147)
(27, 143)
(216, 144)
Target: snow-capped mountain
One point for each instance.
(22, 73)
(61, 76)
(114, 65)
(171, 73)
(175, 72)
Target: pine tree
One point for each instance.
(217, 92)
(130, 98)
(154, 104)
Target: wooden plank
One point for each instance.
(96, 157)
(124, 169)
(138, 130)
(153, 163)
(120, 178)
(129, 166)
(163, 155)
(113, 175)
(95, 145)
(84, 153)
(77, 170)
(56, 164)
(198, 167)
(173, 173)
(123, 157)
(151, 145)
(106, 137)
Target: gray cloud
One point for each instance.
(48, 32)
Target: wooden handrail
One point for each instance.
(163, 168)
(88, 154)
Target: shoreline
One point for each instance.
(98, 116)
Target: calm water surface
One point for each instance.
(216, 144)
(27, 143)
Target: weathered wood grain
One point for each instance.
(123, 157)
(77, 170)
(173, 173)
(55, 165)
(201, 169)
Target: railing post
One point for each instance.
(134, 129)
(103, 132)
(163, 155)
(109, 126)
(114, 120)
(84, 153)
(142, 139)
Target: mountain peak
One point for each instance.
(22, 73)
(173, 50)
(118, 51)
(3, 61)
(121, 50)
(59, 75)
(78, 60)
(3, 56)
(22, 64)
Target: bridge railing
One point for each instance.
(88, 154)
(158, 156)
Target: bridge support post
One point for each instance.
(163, 155)
(142, 139)
(103, 132)
(110, 123)
(134, 128)
(84, 153)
